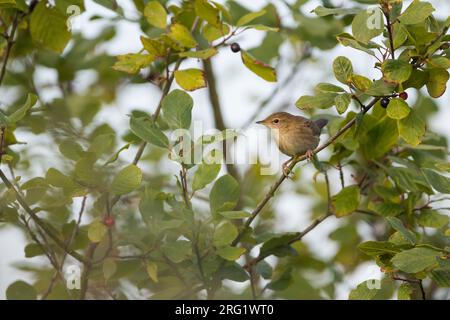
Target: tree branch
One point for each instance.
(217, 111)
(38, 221)
(303, 233)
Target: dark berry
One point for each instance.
(109, 221)
(384, 102)
(235, 47)
(403, 95)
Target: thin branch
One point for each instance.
(217, 111)
(308, 229)
(68, 244)
(9, 45)
(390, 33)
(341, 175)
(38, 221)
(87, 270)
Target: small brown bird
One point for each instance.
(295, 135)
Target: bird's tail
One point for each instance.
(321, 123)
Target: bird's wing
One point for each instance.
(315, 130)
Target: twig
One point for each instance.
(38, 221)
(341, 175)
(9, 45)
(389, 30)
(217, 111)
(87, 270)
(68, 244)
(308, 229)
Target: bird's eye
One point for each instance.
(276, 121)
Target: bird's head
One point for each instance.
(278, 121)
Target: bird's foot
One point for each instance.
(309, 155)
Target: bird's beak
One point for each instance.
(260, 122)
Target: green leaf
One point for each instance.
(190, 79)
(380, 88)
(441, 276)
(405, 291)
(264, 269)
(417, 12)
(71, 150)
(96, 231)
(101, 144)
(342, 102)
(224, 194)
(319, 101)
(177, 109)
(48, 27)
(360, 82)
(152, 271)
(57, 179)
(177, 251)
(249, 17)
(397, 224)
(377, 248)
(364, 291)
(230, 253)
(415, 260)
(20, 290)
(327, 88)
(323, 12)
(154, 47)
(412, 128)
(437, 82)
(348, 40)
(438, 182)
(205, 174)
(224, 234)
(440, 62)
(180, 34)
(367, 25)
(33, 250)
(115, 156)
(233, 271)
(380, 139)
(277, 243)
(432, 219)
(212, 33)
(20, 113)
(396, 70)
(343, 69)
(155, 14)
(145, 129)
(207, 12)
(281, 279)
(397, 109)
(126, 180)
(109, 268)
(200, 54)
(386, 208)
(261, 69)
(235, 214)
(132, 62)
(346, 201)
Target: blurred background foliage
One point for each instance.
(106, 201)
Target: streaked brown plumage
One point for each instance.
(295, 135)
